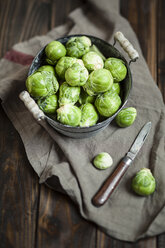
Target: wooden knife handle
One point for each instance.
(111, 183)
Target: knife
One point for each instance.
(113, 180)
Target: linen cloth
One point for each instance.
(56, 158)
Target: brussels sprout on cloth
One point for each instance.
(117, 68)
(126, 117)
(78, 46)
(76, 75)
(48, 104)
(102, 161)
(54, 51)
(144, 183)
(108, 103)
(89, 116)
(92, 61)
(42, 83)
(99, 81)
(69, 115)
(68, 94)
(63, 64)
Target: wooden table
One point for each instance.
(32, 215)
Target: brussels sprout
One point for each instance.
(68, 94)
(126, 117)
(108, 103)
(76, 75)
(95, 49)
(48, 104)
(69, 115)
(115, 88)
(48, 68)
(117, 68)
(92, 61)
(78, 46)
(54, 51)
(89, 116)
(144, 183)
(102, 161)
(99, 81)
(63, 64)
(85, 98)
(41, 83)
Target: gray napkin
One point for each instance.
(55, 157)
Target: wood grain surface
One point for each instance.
(32, 215)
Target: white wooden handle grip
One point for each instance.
(31, 106)
(126, 45)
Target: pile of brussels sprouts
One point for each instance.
(78, 86)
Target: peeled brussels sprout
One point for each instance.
(92, 61)
(41, 83)
(78, 46)
(102, 161)
(144, 183)
(85, 98)
(54, 51)
(63, 64)
(108, 103)
(68, 94)
(117, 68)
(89, 116)
(69, 115)
(48, 104)
(126, 117)
(99, 81)
(76, 75)
(115, 88)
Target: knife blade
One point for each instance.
(113, 180)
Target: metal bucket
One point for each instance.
(108, 50)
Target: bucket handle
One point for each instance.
(31, 106)
(126, 45)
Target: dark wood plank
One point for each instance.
(161, 75)
(18, 182)
(65, 8)
(142, 15)
(106, 242)
(161, 241)
(60, 224)
(21, 20)
(161, 47)
(19, 193)
(19, 190)
(36, 20)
